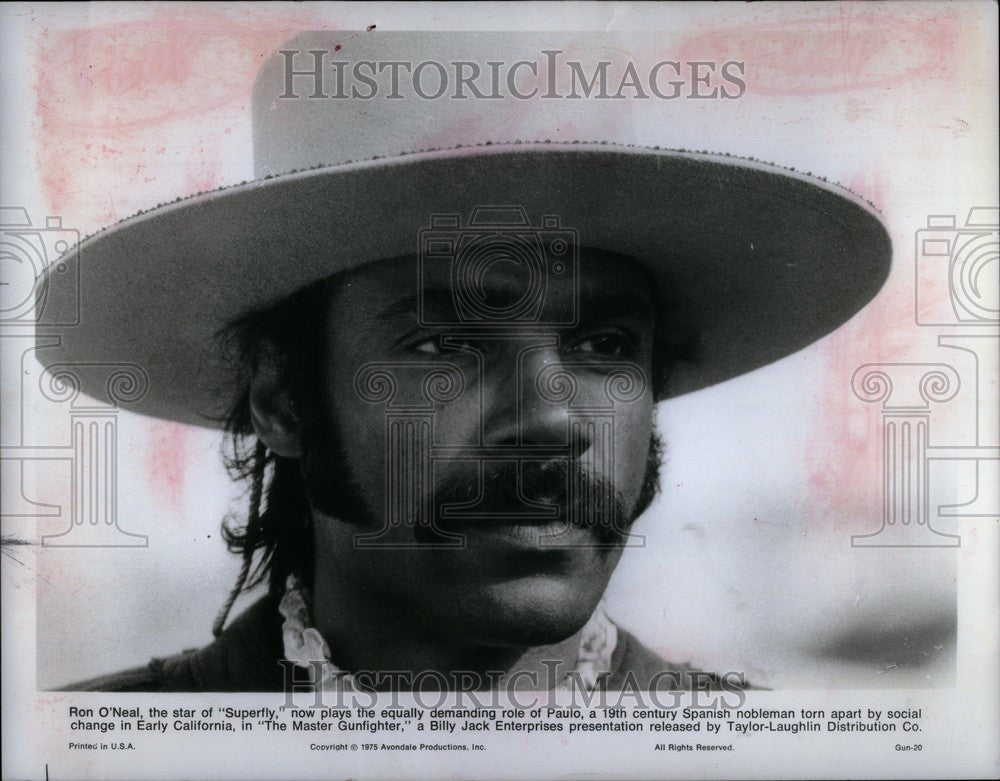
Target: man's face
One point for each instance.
(482, 478)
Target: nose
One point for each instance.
(523, 410)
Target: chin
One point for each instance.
(530, 612)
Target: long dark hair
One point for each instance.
(277, 531)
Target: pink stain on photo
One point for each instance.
(843, 459)
(832, 52)
(167, 461)
(115, 105)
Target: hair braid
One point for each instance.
(251, 535)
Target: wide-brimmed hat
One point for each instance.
(354, 156)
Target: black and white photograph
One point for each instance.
(500, 390)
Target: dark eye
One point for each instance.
(606, 345)
(431, 345)
(428, 346)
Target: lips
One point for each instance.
(531, 510)
(527, 535)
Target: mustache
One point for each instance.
(530, 492)
(333, 488)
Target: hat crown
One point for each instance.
(331, 97)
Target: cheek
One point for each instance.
(459, 422)
(360, 427)
(633, 428)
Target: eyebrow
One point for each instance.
(436, 301)
(593, 307)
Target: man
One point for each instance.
(439, 368)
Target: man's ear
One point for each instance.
(272, 412)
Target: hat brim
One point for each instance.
(755, 260)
